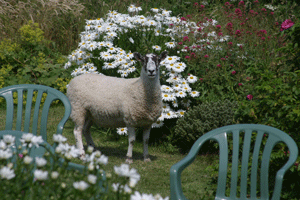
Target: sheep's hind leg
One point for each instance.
(146, 135)
(87, 132)
(78, 137)
(131, 140)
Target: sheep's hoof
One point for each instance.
(129, 160)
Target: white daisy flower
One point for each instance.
(194, 93)
(156, 48)
(123, 170)
(3, 145)
(170, 45)
(27, 160)
(54, 175)
(81, 185)
(180, 113)
(122, 131)
(151, 23)
(154, 10)
(175, 103)
(59, 138)
(186, 88)
(131, 40)
(7, 173)
(92, 179)
(181, 94)
(157, 124)
(9, 139)
(40, 162)
(191, 78)
(40, 175)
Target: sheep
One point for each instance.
(113, 102)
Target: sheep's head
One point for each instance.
(151, 62)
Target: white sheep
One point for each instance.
(117, 102)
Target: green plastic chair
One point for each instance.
(32, 125)
(220, 135)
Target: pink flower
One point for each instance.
(230, 43)
(185, 38)
(220, 34)
(229, 25)
(241, 3)
(218, 26)
(196, 4)
(206, 56)
(180, 43)
(188, 16)
(233, 72)
(240, 84)
(271, 13)
(202, 6)
(219, 65)
(238, 11)
(238, 32)
(21, 155)
(223, 59)
(187, 57)
(263, 38)
(286, 24)
(183, 19)
(263, 9)
(256, 1)
(250, 96)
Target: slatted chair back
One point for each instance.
(52, 94)
(266, 138)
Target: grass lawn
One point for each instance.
(154, 175)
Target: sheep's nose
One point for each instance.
(151, 71)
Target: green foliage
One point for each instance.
(30, 61)
(201, 119)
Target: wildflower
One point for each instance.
(123, 170)
(170, 45)
(122, 131)
(131, 40)
(92, 179)
(9, 139)
(240, 84)
(156, 48)
(194, 93)
(286, 24)
(40, 175)
(138, 196)
(7, 173)
(241, 3)
(250, 97)
(154, 10)
(40, 162)
(206, 56)
(219, 65)
(54, 175)
(132, 8)
(181, 94)
(233, 72)
(81, 185)
(238, 32)
(59, 138)
(191, 79)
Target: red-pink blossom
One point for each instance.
(240, 84)
(185, 38)
(238, 11)
(230, 43)
(263, 9)
(180, 43)
(233, 72)
(183, 19)
(220, 34)
(187, 57)
(218, 26)
(223, 59)
(202, 6)
(271, 13)
(206, 56)
(250, 96)
(286, 24)
(219, 65)
(238, 32)
(227, 4)
(241, 3)
(256, 1)
(188, 16)
(263, 38)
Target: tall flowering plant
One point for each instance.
(107, 44)
(47, 177)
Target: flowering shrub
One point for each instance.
(109, 42)
(47, 177)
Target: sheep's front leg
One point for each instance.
(131, 140)
(146, 135)
(78, 137)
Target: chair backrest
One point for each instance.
(263, 134)
(30, 90)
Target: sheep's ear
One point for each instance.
(162, 56)
(138, 56)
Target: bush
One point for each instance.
(30, 61)
(200, 120)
